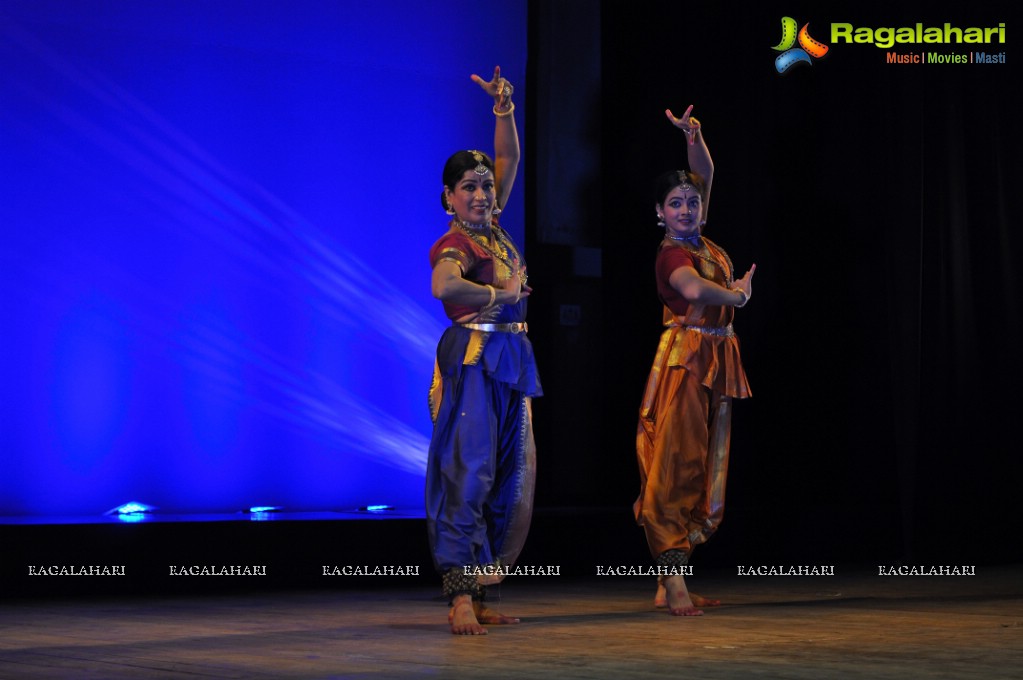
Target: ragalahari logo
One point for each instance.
(790, 56)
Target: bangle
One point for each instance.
(742, 293)
(502, 114)
(493, 297)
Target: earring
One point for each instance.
(660, 221)
(450, 211)
(496, 211)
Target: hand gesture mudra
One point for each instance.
(687, 123)
(746, 283)
(499, 88)
(515, 285)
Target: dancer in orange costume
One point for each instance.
(684, 428)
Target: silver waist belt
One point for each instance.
(520, 327)
(720, 331)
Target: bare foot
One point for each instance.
(486, 615)
(701, 601)
(491, 580)
(661, 598)
(462, 617)
(679, 601)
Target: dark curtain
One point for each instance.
(880, 202)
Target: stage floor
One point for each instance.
(773, 627)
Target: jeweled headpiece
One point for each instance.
(480, 169)
(683, 179)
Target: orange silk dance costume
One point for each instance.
(682, 440)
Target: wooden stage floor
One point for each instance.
(859, 626)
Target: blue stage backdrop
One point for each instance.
(214, 225)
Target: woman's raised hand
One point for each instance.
(687, 123)
(499, 88)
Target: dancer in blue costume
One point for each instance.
(482, 464)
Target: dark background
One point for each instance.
(878, 202)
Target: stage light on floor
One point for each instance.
(132, 511)
(257, 509)
(260, 513)
(376, 508)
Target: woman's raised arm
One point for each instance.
(506, 136)
(698, 154)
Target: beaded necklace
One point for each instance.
(693, 239)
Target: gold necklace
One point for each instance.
(706, 255)
(498, 245)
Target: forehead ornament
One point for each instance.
(480, 168)
(684, 184)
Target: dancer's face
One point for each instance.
(682, 210)
(472, 198)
